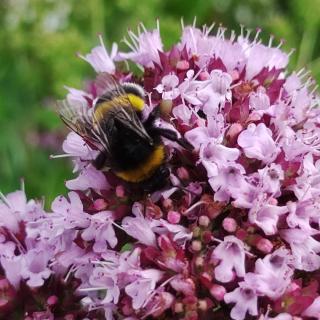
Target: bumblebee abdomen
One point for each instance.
(146, 168)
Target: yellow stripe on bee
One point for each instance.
(146, 169)
(103, 108)
(136, 101)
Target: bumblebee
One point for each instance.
(129, 146)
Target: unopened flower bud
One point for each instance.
(233, 132)
(120, 192)
(174, 217)
(183, 173)
(206, 276)
(182, 65)
(167, 204)
(241, 234)
(273, 201)
(207, 237)
(218, 292)
(52, 300)
(202, 305)
(178, 307)
(204, 75)
(204, 221)
(199, 262)
(229, 224)
(264, 245)
(253, 117)
(196, 245)
(190, 300)
(100, 204)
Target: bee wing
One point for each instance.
(79, 120)
(128, 117)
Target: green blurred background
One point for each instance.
(38, 42)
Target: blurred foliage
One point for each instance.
(39, 39)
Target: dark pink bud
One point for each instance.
(120, 192)
(174, 217)
(264, 245)
(229, 224)
(52, 300)
(241, 234)
(100, 204)
(207, 237)
(218, 292)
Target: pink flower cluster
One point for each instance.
(236, 232)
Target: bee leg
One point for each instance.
(100, 161)
(153, 115)
(171, 135)
(166, 133)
